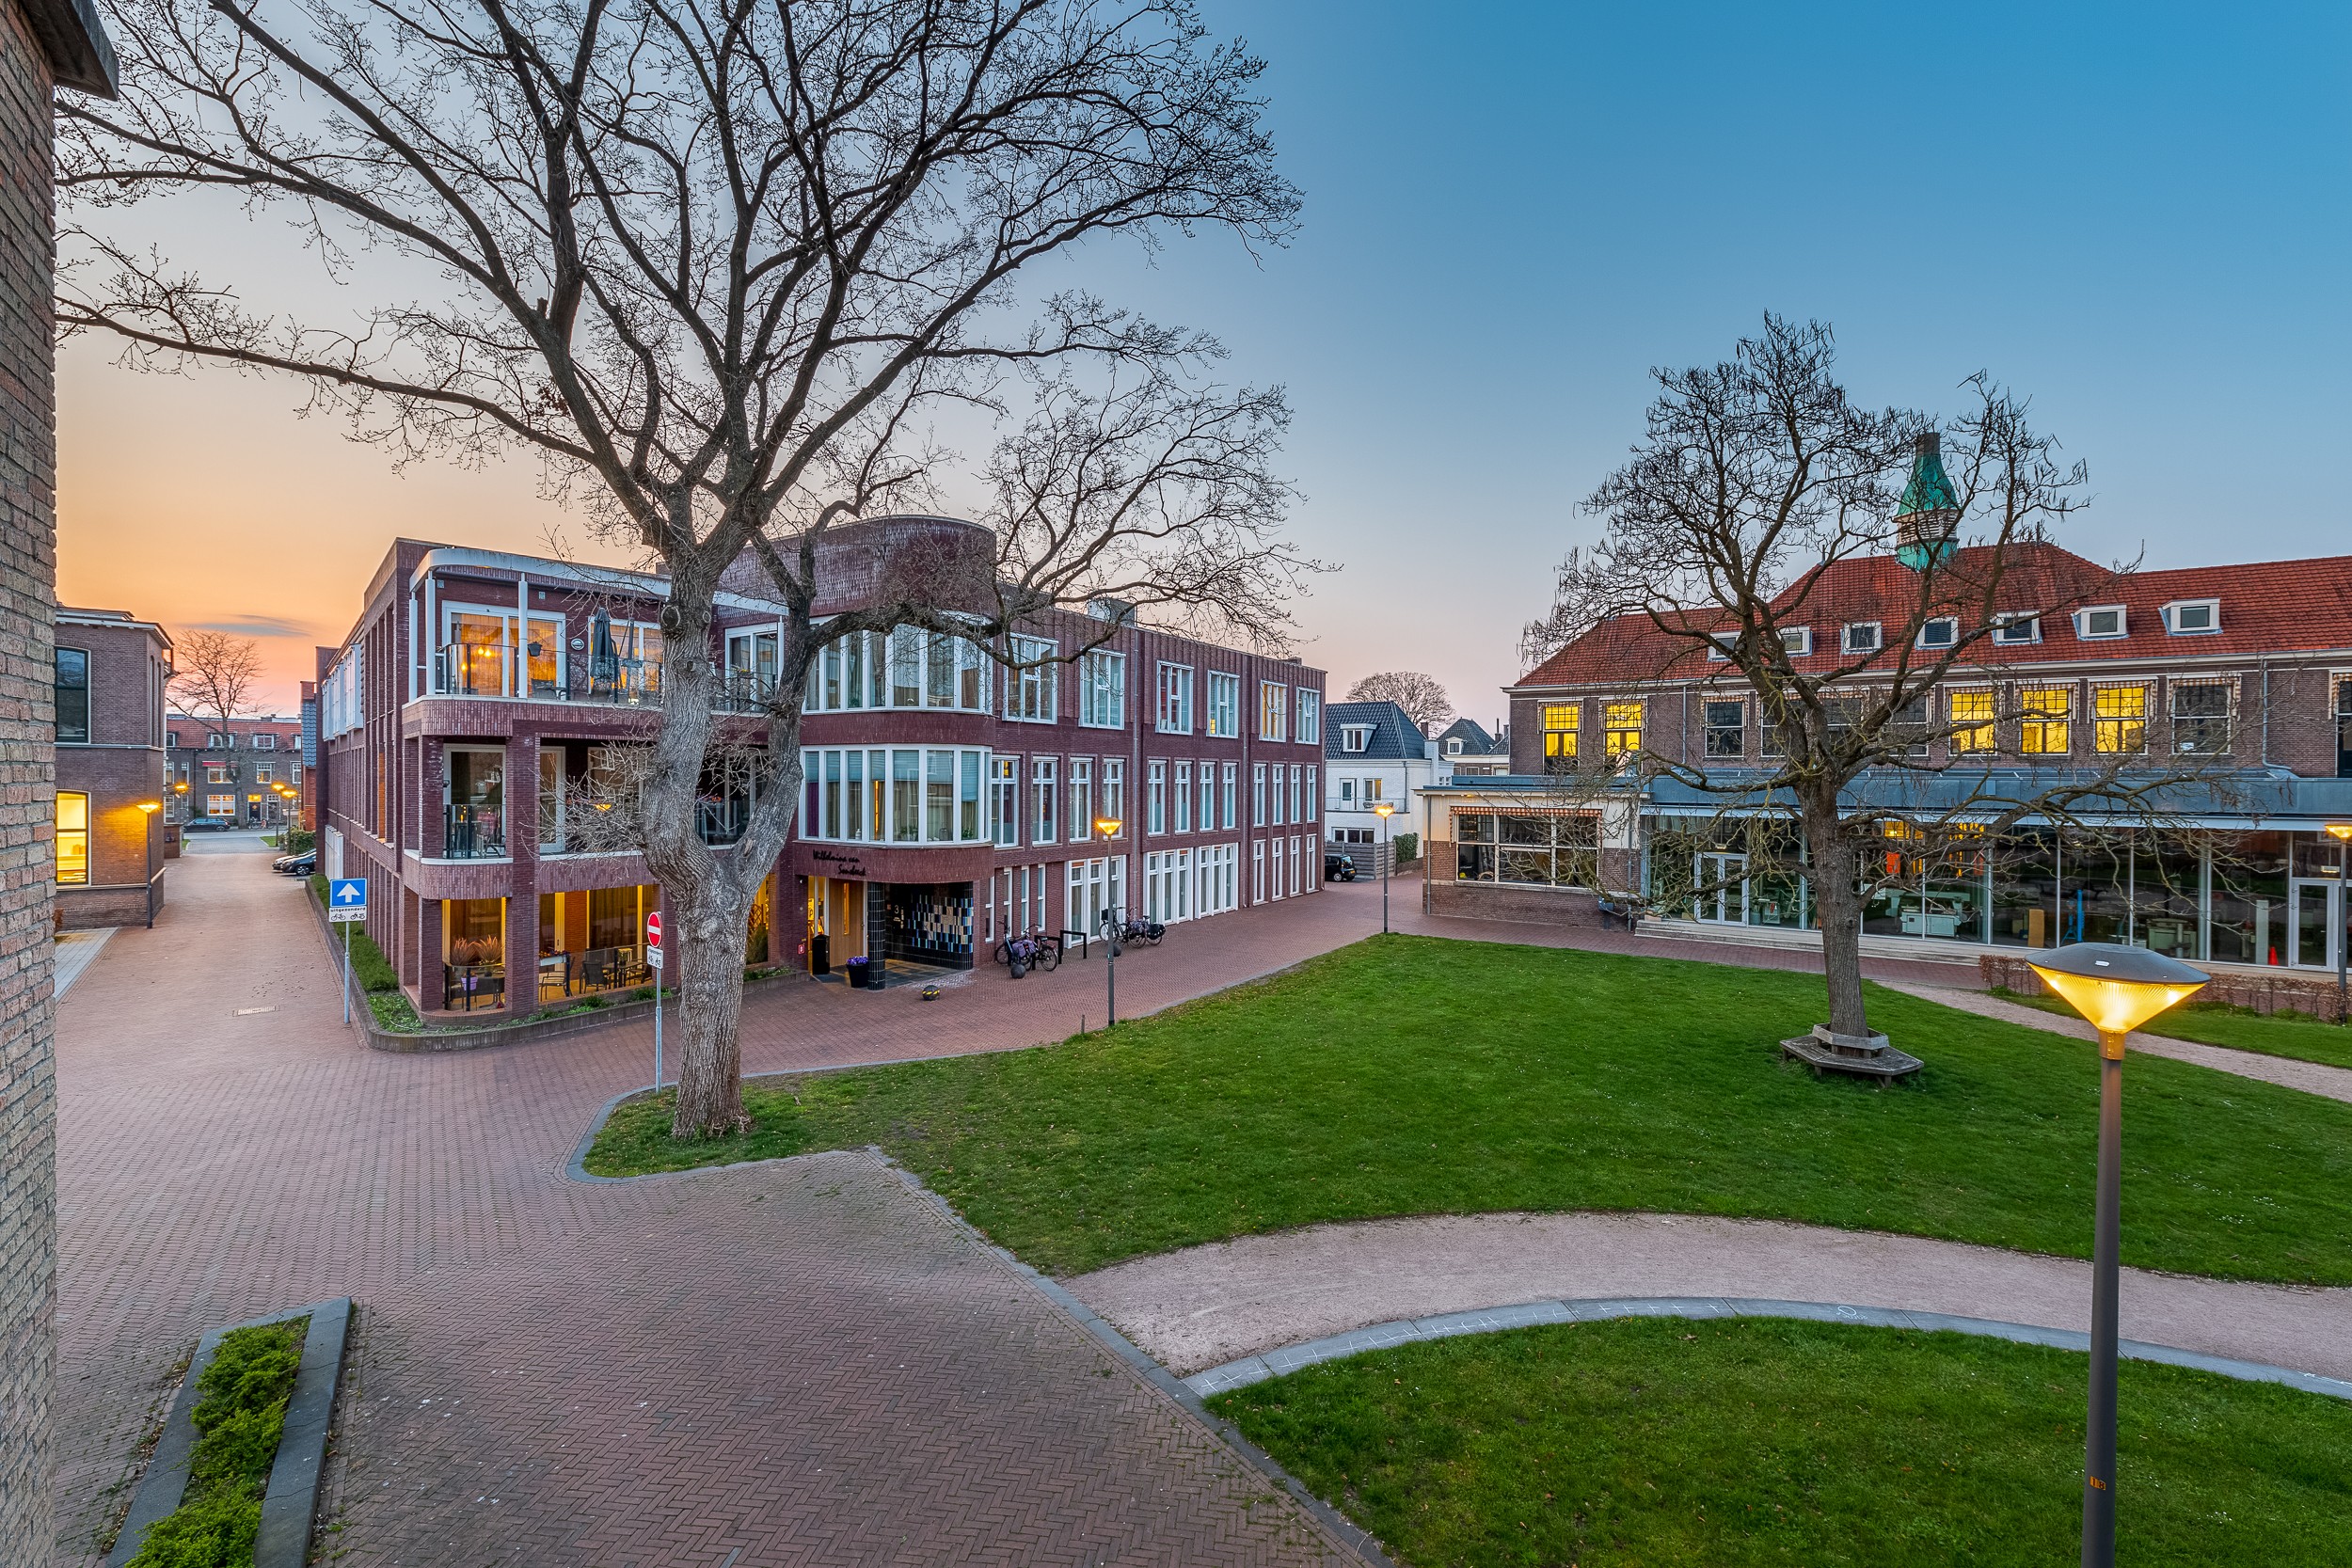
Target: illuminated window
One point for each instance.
(1622, 735)
(72, 838)
(1972, 721)
(2044, 711)
(1272, 711)
(2118, 721)
(1561, 720)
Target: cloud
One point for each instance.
(256, 626)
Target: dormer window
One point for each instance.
(1943, 631)
(1862, 637)
(2100, 621)
(1718, 647)
(2191, 617)
(2017, 627)
(1797, 640)
(1453, 747)
(1355, 738)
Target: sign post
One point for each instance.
(653, 961)
(346, 902)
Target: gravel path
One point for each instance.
(2335, 1082)
(1208, 1304)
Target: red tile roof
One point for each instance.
(2271, 606)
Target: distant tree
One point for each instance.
(216, 675)
(1422, 699)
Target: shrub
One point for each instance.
(240, 1415)
(1407, 847)
(216, 1531)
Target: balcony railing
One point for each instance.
(473, 832)
(497, 670)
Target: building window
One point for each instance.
(2119, 719)
(1007, 803)
(1115, 793)
(1183, 797)
(1622, 735)
(1080, 798)
(216, 741)
(1273, 710)
(1208, 796)
(1972, 721)
(1103, 691)
(72, 697)
(1030, 687)
(1355, 738)
(264, 741)
(1798, 641)
(1561, 720)
(1041, 782)
(2201, 718)
(216, 772)
(1156, 797)
(1727, 729)
(1310, 732)
(2100, 622)
(220, 805)
(72, 838)
(1256, 795)
(1314, 801)
(1863, 638)
(1175, 706)
(2042, 715)
(1224, 704)
(1230, 789)
(2192, 617)
(1941, 631)
(1453, 746)
(1530, 850)
(2020, 626)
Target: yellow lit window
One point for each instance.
(1622, 736)
(2119, 719)
(1559, 726)
(1972, 721)
(2045, 711)
(72, 837)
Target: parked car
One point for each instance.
(303, 864)
(1338, 868)
(208, 825)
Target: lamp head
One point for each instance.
(2343, 831)
(2118, 988)
(151, 806)
(1383, 809)
(1108, 826)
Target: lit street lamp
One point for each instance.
(146, 813)
(2117, 989)
(2343, 831)
(1108, 826)
(1384, 811)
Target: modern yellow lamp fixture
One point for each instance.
(1114, 921)
(1383, 811)
(2117, 989)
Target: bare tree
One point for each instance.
(216, 674)
(1758, 477)
(721, 264)
(1422, 699)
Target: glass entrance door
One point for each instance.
(1722, 889)
(2315, 923)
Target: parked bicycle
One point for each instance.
(1023, 954)
(1145, 932)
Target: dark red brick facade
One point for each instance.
(111, 774)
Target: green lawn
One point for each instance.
(2295, 1035)
(1415, 1075)
(1662, 1442)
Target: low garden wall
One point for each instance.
(2256, 994)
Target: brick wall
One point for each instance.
(27, 602)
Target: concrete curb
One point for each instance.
(290, 1504)
(1497, 1319)
(1338, 1526)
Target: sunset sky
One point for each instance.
(2139, 215)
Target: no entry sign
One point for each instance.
(653, 939)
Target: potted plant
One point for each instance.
(857, 967)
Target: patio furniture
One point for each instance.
(555, 970)
(472, 985)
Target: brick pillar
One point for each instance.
(429, 971)
(521, 794)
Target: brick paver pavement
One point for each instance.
(826, 1371)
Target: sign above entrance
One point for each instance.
(347, 899)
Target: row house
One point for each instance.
(2236, 680)
(246, 772)
(469, 735)
(112, 673)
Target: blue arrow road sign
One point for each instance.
(347, 899)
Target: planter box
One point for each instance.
(2261, 993)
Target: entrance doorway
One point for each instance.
(1722, 889)
(837, 923)
(2314, 924)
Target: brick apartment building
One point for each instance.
(44, 45)
(112, 671)
(229, 773)
(2241, 674)
(464, 729)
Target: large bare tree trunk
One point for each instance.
(1830, 850)
(709, 922)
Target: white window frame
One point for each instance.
(264, 741)
(1114, 793)
(1797, 640)
(1155, 796)
(1846, 636)
(2172, 617)
(1004, 801)
(1257, 794)
(1355, 738)
(1223, 715)
(1308, 731)
(2082, 623)
(1315, 794)
(1173, 704)
(1102, 689)
(1950, 641)
(1044, 790)
(1081, 799)
(1273, 710)
(1231, 790)
(1180, 795)
(2008, 621)
(1032, 694)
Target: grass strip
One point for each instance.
(240, 1414)
(1408, 1075)
(2297, 1035)
(1748, 1442)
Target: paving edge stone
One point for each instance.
(1344, 1532)
(1496, 1320)
(290, 1504)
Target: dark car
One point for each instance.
(301, 864)
(208, 825)
(1338, 868)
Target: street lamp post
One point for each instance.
(1384, 811)
(2343, 833)
(1108, 826)
(2117, 989)
(147, 811)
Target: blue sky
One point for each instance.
(2139, 215)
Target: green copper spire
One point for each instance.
(1929, 511)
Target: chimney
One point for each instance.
(1929, 516)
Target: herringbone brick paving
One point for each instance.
(829, 1373)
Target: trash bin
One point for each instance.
(821, 954)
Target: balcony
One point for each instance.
(500, 670)
(473, 832)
